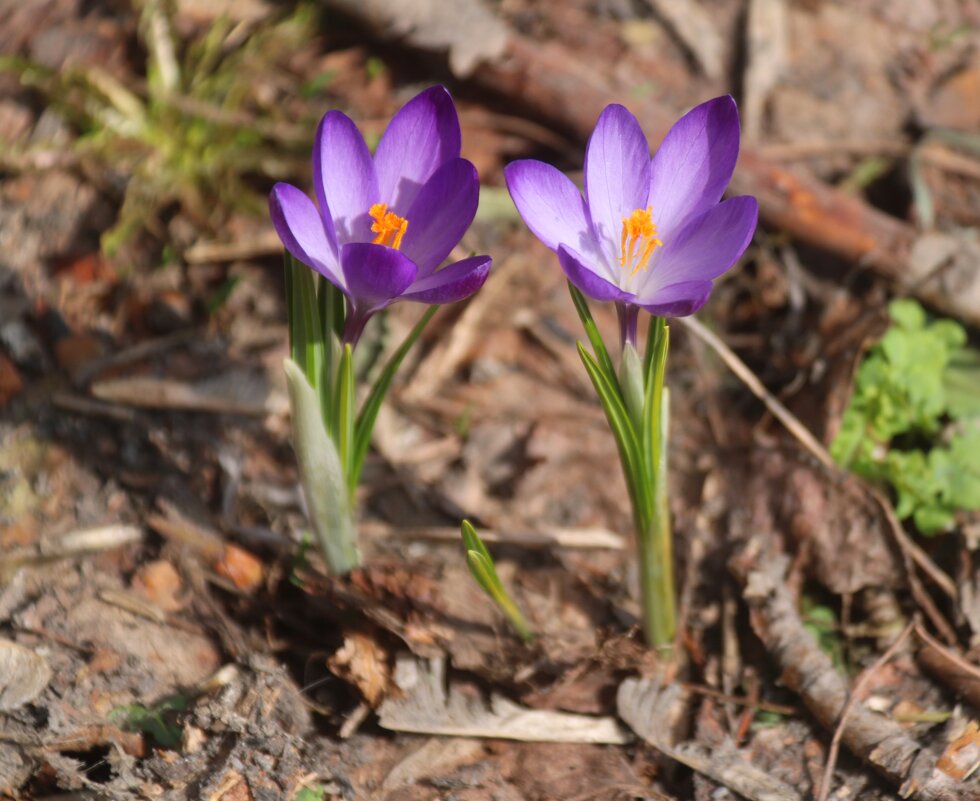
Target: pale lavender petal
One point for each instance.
(694, 163)
(452, 283)
(617, 176)
(705, 247)
(420, 137)
(587, 279)
(344, 176)
(551, 206)
(441, 213)
(376, 275)
(300, 228)
(678, 300)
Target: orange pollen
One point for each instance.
(639, 240)
(388, 226)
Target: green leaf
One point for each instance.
(907, 313)
(962, 484)
(631, 382)
(332, 306)
(305, 330)
(658, 341)
(481, 567)
(592, 332)
(372, 405)
(961, 383)
(315, 793)
(344, 405)
(158, 721)
(909, 386)
(484, 573)
(321, 475)
(472, 541)
(611, 399)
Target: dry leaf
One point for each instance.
(647, 707)
(364, 663)
(241, 567)
(23, 675)
(159, 582)
(427, 708)
(962, 756)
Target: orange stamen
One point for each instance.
(639, 230)
(388, 226)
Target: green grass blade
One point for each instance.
(656, 364)
(592, 332)
(372, 405)
(306, 341)
(641, 495)
(333, 308)
(344, 405)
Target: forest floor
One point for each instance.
(166, 630)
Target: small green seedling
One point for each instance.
(480, 563)
(316, 792)
(157, 721)
(914, 418)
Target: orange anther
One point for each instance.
(388, 227)
(639, 231)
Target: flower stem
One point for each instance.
(654, 536)
(354, 326)
(657, 596)
(655, 543)
(628, 315)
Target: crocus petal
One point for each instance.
(442, 211)
(301, 230)
(452, 283)
(617, 176)
(678, 300)
(694, 163)
(343, 172)
(586, 279)
(551, 206)
(419, 138)
(376, 275)
(705, 247)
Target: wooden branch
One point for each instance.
(808, 671)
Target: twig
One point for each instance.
(136, 353)
(944, 582)
(856, 693)
(751, 380)
(960, 674)
(794, 151)
(93, 408)
(913, 555)
(264, 243)
(809, 672)
(751, 703)
(579, 538)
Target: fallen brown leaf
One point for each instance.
(364, 663)
(241, 567)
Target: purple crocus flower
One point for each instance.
(385, 224)
(648, 234)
